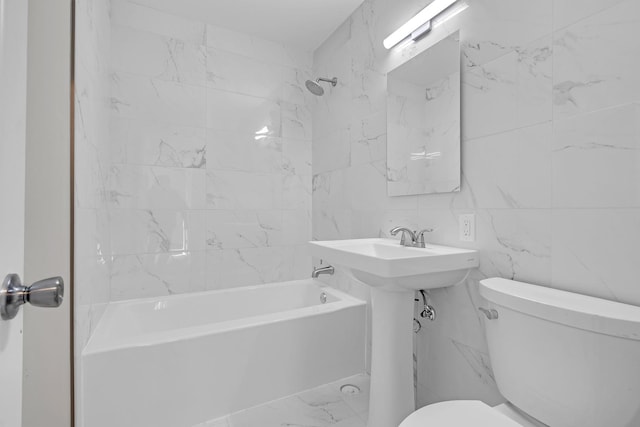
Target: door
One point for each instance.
(13, 95)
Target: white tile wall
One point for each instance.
(594, 61)
(549, 159)
(210, 179)
(92, 162)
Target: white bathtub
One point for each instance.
(182, 360)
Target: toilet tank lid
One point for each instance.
(568, 308)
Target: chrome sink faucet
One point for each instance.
(405, 232)
(416, 238)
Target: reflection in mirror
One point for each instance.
(423, 122)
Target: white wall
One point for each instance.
(549, 159)
(210, 178)
(47, 380)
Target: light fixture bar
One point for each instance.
(421, 31)
(452, 11)
(425, 15)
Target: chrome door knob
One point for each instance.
(44, 293)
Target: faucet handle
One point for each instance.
(420, 236)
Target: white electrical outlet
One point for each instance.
(467, 225)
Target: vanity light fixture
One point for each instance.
(422, 23)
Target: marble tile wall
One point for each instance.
(550, 160)
(210, 175)
(92, 163)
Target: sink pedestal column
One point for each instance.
(392, 394)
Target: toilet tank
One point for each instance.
(566, 359)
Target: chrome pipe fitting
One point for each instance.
(428, 311)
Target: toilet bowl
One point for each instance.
(560, 359)
(462, 413)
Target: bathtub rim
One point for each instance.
(96, 347)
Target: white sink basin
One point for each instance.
(385, 263)
(394, 273)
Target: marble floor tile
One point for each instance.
(218, 422)
(320, 407)
(358, 402)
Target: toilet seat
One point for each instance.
(458, 413)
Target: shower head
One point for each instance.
(316, 89)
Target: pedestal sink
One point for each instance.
(394, 273)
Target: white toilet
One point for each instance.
(560, 359)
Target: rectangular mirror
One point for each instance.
(423, 122)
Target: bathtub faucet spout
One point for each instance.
(322, 270)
